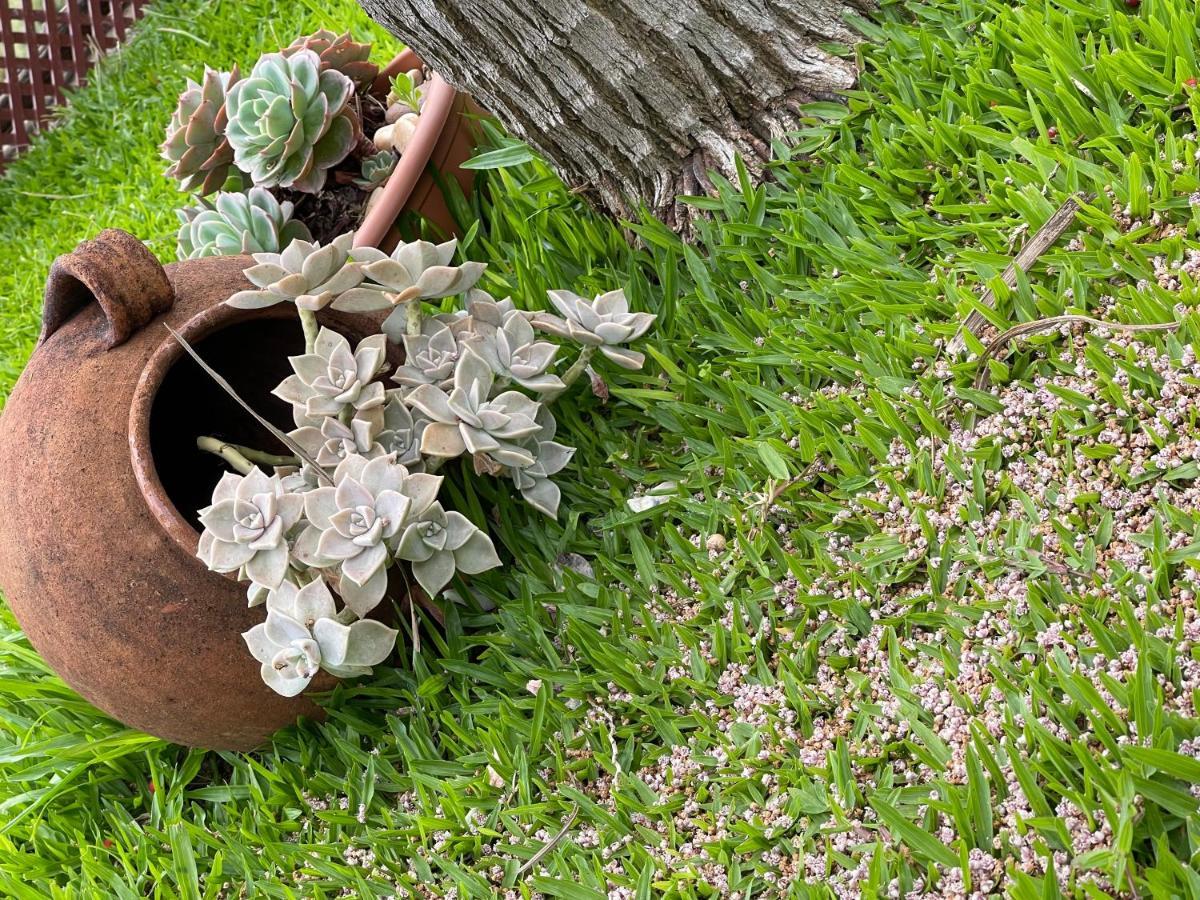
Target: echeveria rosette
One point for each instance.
(196, 146)
(339, 52)
(376, 169)
(246, 527)
(429, 357)
(250, 221)
(415, 271)
(467, 421)
(400, 434)
(351, 524)
(305, 273)
(290, 121)
(335, 441)
(515, 356)
(439, 543)
(550, 458)
(605, 323)
(303, 634)
(333, 378)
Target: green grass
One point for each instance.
(791, 394)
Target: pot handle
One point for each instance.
(118, 272)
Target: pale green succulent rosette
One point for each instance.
(289, 121)
(377, 169)
(249, 222)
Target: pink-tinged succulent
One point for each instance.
(333, 378)
(605, 323)
(339, 52)
(304, 633)
(196, 145)
(467, 421)
(305, 274)
(414, 271)
(246, 527)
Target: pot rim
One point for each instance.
(439, 101)
(165, 357)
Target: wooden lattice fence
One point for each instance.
(47, 46)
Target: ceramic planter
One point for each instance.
(100, 478)
(443, 141)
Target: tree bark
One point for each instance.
(634, 101)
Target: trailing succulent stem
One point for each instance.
(360, 495)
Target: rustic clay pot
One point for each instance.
(100, 479)
(443, 141)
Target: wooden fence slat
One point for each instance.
(46, 47)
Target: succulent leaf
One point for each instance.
(439, 543)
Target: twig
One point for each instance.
(1000, 343)
(1042, 241)
(550, 844)
(212, 373)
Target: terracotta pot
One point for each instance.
(443, 141)
(100, 477)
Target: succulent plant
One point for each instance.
(439, 543)
(339, 52)
(334, 440)
(415, 271)
(605, 323)
(376, 169)
(251, 221)
(333, 378)
(305, 274)
(351, 523)
(515, 356)
(550, 457)
(401, 432)
(303, 634)
(246, 527)
(429, 357)
(196, 146)
(468, 421)
(289, 121)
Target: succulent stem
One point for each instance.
(572, 374)
(308, 321)
(412, 318)
(227, 452)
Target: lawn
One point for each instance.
(889, 629)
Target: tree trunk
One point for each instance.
(633, 101)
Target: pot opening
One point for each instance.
(252, 356)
